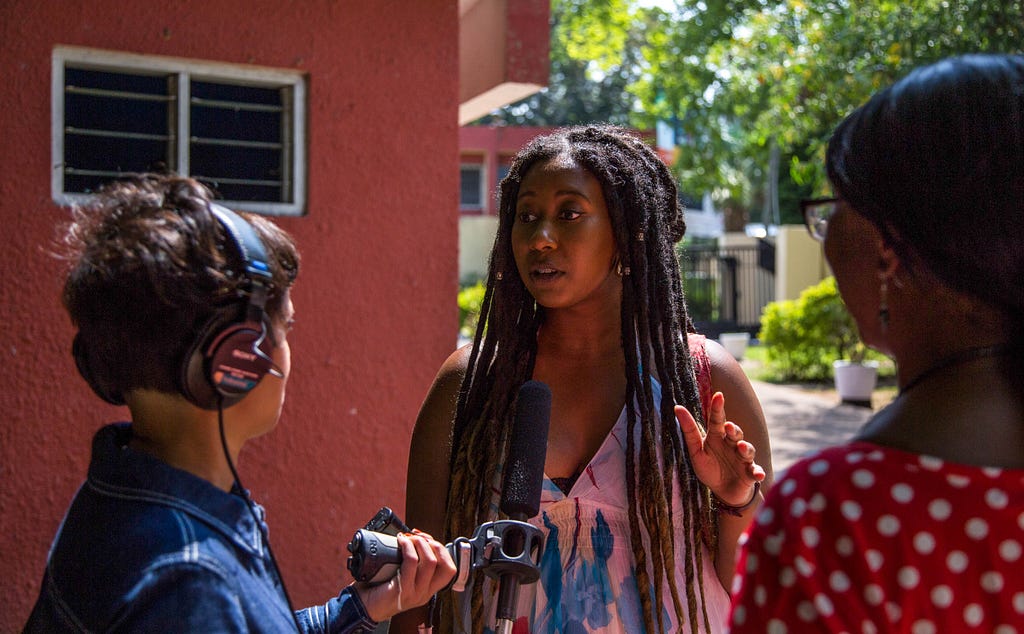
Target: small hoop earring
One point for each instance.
(883, 307)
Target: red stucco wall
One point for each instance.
(375, 301)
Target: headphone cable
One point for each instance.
(252, 511)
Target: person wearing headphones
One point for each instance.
(182, 309)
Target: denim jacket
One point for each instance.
(146, 547)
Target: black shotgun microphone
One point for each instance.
(521, 485)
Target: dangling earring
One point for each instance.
(499, 275)
(621, 270)
(883, 306)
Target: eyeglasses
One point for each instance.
(817, 212)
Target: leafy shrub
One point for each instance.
(802, 337)
(470, 299)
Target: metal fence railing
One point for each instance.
(727, 287)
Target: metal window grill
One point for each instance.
(240, 130)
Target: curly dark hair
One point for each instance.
(647, 221)
(148, 268)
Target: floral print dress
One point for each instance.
(588, 574)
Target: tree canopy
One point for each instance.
(749, 83)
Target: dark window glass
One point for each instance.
(240, 113)
(114, 123)
(470, 177)
(237, 141)
(232, 170)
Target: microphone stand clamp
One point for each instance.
(499, 548)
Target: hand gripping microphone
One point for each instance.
(506, 550)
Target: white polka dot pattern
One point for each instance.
(923, 627)
(902, 493)
(924, 543)
(888, 525)
(1010, 551)
(838, 581)
(874, 594)
(867, 539)
(940, 509)
(957, 561)
(817, 468)
(863, 479)
(942, 596)
(977, 528)
(997, 499)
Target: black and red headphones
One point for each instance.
(226, 359)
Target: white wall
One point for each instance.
(799, 261)
(476, 237)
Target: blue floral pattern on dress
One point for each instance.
(587, 572)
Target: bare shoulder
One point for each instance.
(437, 413)
(444, 392)
(726, 371)
(454, 367)
(430, 446)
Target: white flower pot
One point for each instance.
(735, 343)
(855, 381)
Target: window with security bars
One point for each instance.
(238, 129)
(471, 184)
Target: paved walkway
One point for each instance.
(800, 421)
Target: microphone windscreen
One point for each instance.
(524, 471)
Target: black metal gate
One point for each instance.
(727, 287)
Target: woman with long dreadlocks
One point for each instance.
(643, 502)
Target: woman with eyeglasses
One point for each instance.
(916, 525)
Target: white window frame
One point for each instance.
(185, 70)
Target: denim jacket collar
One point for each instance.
(124, 472)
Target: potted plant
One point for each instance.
(735, 343)
(814, 338)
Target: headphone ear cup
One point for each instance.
(85, 369)
(224, 364)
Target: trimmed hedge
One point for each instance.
(802, 337)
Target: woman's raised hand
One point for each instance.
(721, 459)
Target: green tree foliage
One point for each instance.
(785, 72)
(471, 298)
(743, 78)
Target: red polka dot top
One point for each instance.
(862, 538)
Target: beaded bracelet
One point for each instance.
(736, 511)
